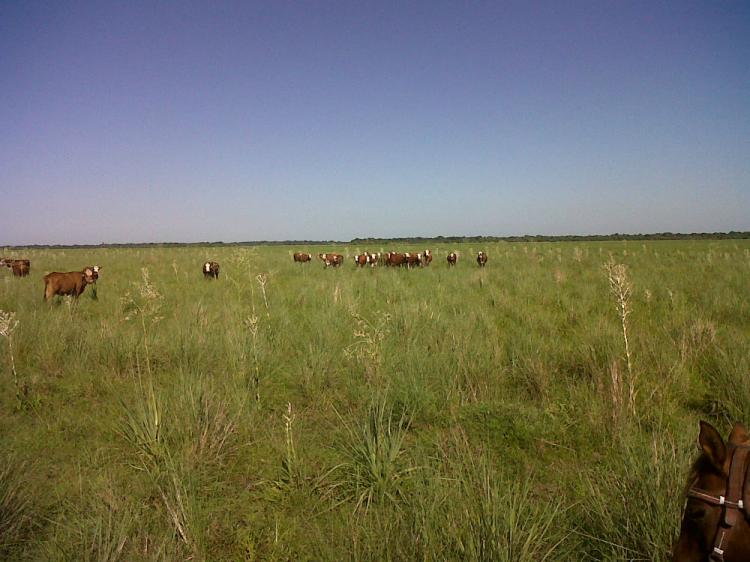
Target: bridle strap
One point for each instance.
(731, 504)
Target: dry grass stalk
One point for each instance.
(8, 324)
(262, 279)
(147, 308)
(369, 336)
(252, 323)
(621, 289)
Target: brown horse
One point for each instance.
(715, 524)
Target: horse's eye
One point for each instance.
(695, 513)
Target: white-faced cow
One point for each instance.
(481, 259)
(302, 257)
(334, 260)
(365, 259)
(426, 257)
(452, 259)
(71, 283)
(413, 259)
(211, 270)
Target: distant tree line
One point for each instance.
(731, 235)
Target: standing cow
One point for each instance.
(426, 258)
(452, 259)
(395, 258)
(301, 257)
(71, 283)
(413, 259)
(20, 268)
(211, 270)
(481, 259)
(334, 260)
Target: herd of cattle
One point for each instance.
(393, 259)
(75, 282)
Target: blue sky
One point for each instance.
(191, 121)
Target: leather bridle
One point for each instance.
(736, 500)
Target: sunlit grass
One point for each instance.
(159, 424)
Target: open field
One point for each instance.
(287, 412)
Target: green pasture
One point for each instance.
(292, 412)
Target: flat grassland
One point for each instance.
(289, 412)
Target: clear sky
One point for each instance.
(191, 121)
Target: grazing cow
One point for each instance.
(334, 260)
(302, 257)
(70, 283)
(481, 259)
(210, 270)
(426, 258)
(452, 259)
(413, 259)
(20, 268)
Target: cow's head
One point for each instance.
(207, 267)
(88, 275)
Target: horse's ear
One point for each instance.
(739, 434)
(712, 445)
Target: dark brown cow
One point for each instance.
(211, 270)
(20, 268)
(302, 257)
(70, 283)
(481, 259)
(334, 260)
(452, 259)
(426, 257)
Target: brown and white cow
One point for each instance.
(481, 259)
(334, 260)
(302, 257)
(413, 259)
(95, 269)
(395, 259)
(365, 259)
(20, 268)
(426, 257)
(211, 270)
(452, 259)
(71, 283)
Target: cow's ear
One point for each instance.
(739, 435)
(712, 445)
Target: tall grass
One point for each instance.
(161, 427)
